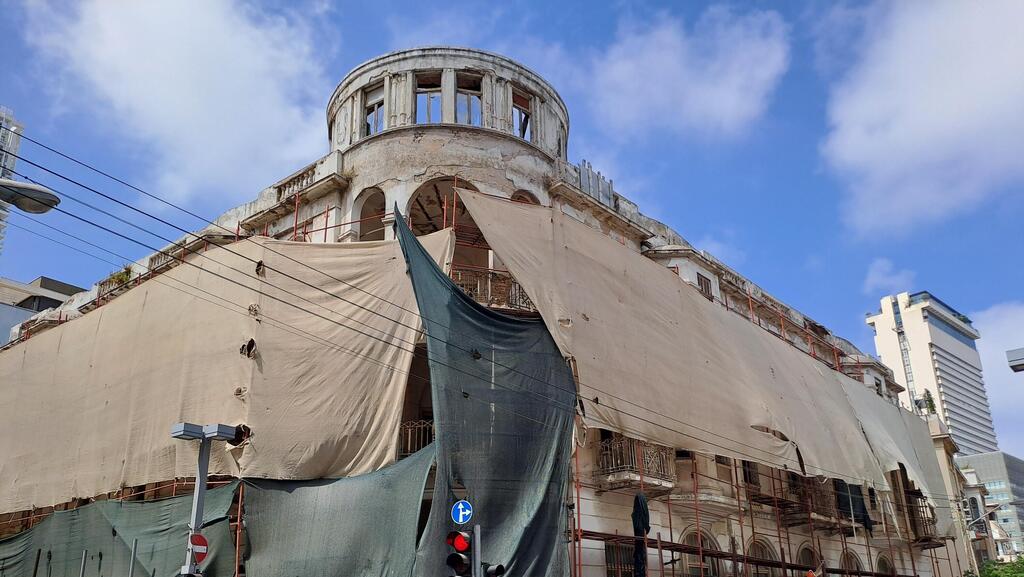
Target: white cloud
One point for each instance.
(723, 248)
(882, 276)
(712, 79)
(224, 96)
(927, 123)
(1002, 328)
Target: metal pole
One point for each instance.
(81, 571)
(238, 530)
(196, 520)
(696, 502)
(477, 567)
(661, 558)
(39, 552)
(131, 562)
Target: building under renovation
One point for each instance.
(443, 307)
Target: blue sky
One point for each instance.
(833, 153)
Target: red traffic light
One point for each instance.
(461, 541)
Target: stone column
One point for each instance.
(448, 96)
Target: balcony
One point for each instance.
(492, 288)
(922, 521)
(413, 436)
(624, 461)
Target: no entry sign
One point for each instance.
(200, 547)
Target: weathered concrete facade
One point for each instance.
(409, 129)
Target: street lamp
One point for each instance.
(27, 196)
(1015, 358)
(206, 435)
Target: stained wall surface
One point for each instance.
(86, 407)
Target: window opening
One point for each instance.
(710, 566)
(618, 559)
(704, 284)
(521, 115)
(374, 111)
(428, 98)
(467, 99)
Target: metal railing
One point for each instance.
(624, 454)
(922, 517)
(413, 436)
(492, 288)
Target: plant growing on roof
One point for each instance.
(929, 402)
(122, 276)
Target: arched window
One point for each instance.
(806, 557)
(849, 561)
(975, 509)
(762, 550)
(884, 566)
(711, 565)
(431, 206)
(371, 209)
(525, 197)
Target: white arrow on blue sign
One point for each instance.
(462, 512)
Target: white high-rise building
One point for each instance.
(10, 139)
(930, 348)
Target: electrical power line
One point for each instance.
(795, 461)
(295, 330)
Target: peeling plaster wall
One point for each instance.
(396, 72)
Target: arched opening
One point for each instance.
(525, 197)
(849, 561)
(475, 268)
(806, 557)
(884, 566)
(435, 205)
(711, 567)
(762, 550)
(371, 206)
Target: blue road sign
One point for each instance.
(462, 512)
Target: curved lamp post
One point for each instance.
(27, 196)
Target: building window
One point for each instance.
(695, 564)
(878, 385)
(374, 111)
(521, 115)
(428, 98)
(884, 566)
(467, 99)
(759, 550)
(618, 559)
(704, 284)
(849, 561)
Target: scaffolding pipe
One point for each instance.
(295, 227)
(131, 561)
(671, 537)
(579, 520)
(696, 502)
(661, 557)
(778, 519)
(238, 530)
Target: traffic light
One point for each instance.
(461, 559)
(493, 570)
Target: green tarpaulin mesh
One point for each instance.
(105, 531)
(503, 402)
(355, 527)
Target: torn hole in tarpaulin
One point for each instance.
(503, 423)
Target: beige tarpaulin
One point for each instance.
(899, 437)
(86, 407)
(658, 361)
